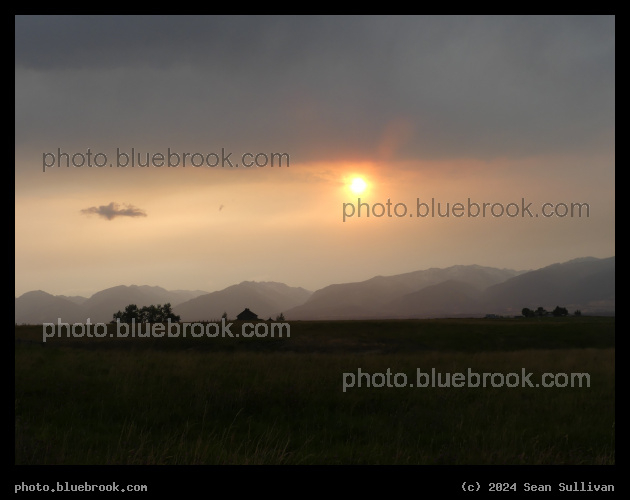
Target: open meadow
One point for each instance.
(297, 400)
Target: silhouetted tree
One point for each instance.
(541, 312)
(560, 311)
(577, 313)
(280, 317)
(130, 313)
(527, 312)
(148, 314)
(166, 313)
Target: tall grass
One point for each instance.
(123, 402)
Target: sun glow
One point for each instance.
(358, 185)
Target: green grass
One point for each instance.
(280, 401)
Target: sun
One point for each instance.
(358, 185)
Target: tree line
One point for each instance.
(558, 311)
(146, 314)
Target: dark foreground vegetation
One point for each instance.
(281, 400)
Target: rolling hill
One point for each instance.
(587, 284)
(266, 299)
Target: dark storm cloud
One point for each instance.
(79, 42)
(113, 210)
(318, 88)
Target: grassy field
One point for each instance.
(281, 400)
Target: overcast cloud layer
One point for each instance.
(505, 109)
(479, 87)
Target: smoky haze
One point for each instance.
(494, 109)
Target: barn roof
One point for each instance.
(247, 314)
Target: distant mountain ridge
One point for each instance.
(106, 302)
(266, 299)
(585, 283)
(375, 297)
(448, 298)
(38, 307)
(41, 307)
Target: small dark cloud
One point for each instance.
(113, 210)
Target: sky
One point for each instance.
(513, 112)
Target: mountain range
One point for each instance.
(587, 284)
(395, 296)
(40, 307)
(266, 299)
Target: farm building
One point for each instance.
(247, 315)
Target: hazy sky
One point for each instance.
(495, 109)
